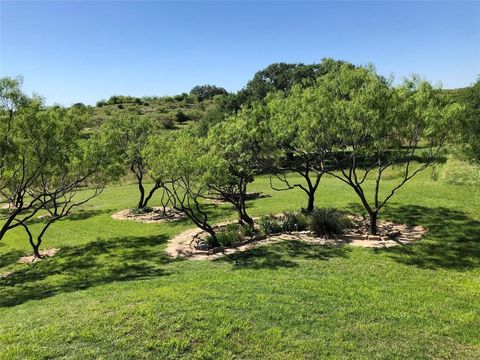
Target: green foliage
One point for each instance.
(167, 123)
(141, 210)
(230, 236)
(458, 172)
(207, 92)
(181, 117)
(292, 221)
(249, 231)
(269, 225)
(327, 221)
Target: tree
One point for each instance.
(302, 142)
(283, 76)
(126, 138)
(233, 158)
(49, 169)
(469, 129)
(207, 92)
(181, 161)
(377, 126)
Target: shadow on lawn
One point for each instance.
(452, 241)
(81, 267)
(282, 255)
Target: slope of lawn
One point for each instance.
(111, 293)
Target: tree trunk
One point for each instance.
(244, 219)
(311, 201)
(36, 251)
(142, 194)
(373, 222)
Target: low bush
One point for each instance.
(249, 231)
(269, 225)
(230, 236)
(292, 221)
(328, 221)
(167, 123)
(140, 211)
(458, 172)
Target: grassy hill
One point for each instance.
(165, 109)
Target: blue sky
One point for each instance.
(73, 51)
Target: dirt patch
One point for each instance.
(157, 215)
(7, 206)
(43, 253)
(391, 234)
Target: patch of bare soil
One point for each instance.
(158, 215)
(390, 234)
(7, 206)
(43, 253)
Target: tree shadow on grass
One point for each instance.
(452, 240)
(82, 267)
(282, 255)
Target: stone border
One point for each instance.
(181, 246)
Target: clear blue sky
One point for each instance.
(74, 51)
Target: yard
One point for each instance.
(112, 293)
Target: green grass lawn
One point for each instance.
(111, 293)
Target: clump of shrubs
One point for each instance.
(328, 221)
(229, 236)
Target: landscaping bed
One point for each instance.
(341, 230)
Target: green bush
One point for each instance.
(140, 211)
(328, 221)
(458, 172)
(230, 236)
(167, 123)
(181, 117)
(291, 221)
(249, 231)
(269, 225)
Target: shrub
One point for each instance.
(328, 221)
(269, 225)
(291, 221)
(181, 117)
(167, 123)
(140, 211)
(249, 231)
(458, 172)
(229, 236)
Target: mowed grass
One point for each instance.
(111, 293)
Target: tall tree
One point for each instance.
(207, 92)
(377, 126)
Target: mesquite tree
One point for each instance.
(48, 169)
(126, 138)
(181, 161)
(301, 137)
(377, 126)
(234, 149)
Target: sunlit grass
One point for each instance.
(112, 293)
